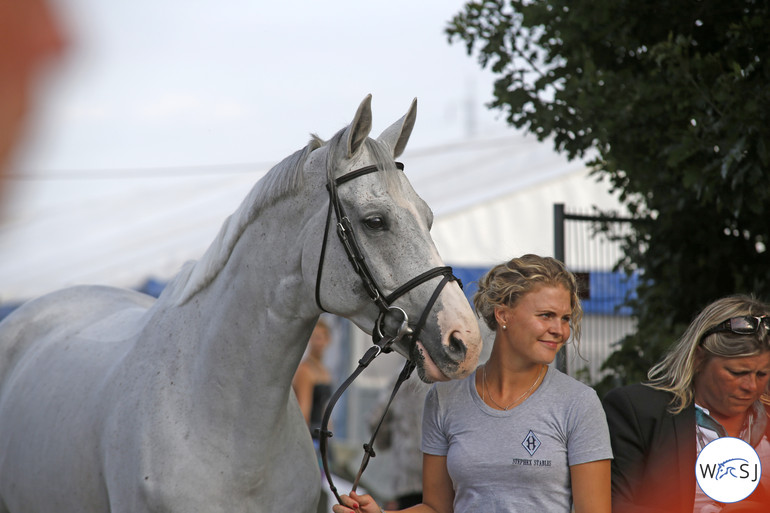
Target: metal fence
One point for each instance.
(593, 256)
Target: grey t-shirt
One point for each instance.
(516, 460)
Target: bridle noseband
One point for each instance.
(383, 336)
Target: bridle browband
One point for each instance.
(383, 337)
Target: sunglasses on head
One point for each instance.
(744, 325)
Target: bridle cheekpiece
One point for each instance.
(383, 336)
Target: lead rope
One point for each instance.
(324, 434)
(382, 341)
(369, 447)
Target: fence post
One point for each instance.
(558, 231)
(558, 254)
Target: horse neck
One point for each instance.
(246, 331)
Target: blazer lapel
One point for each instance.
(684, 430)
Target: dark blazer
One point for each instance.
(654, 452)
(653, 469)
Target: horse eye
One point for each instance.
(375, 223)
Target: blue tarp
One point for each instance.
(606, 293)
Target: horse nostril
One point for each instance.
(456, 347)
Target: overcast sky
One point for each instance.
(156, 97)
(156, 83)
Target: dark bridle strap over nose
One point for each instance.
(382, 337)
(418, 280)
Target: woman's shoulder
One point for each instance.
(638, 392)
(639, 398)
(566, 385)
(451, 388)
(304, 372)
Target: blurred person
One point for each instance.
(711, 384)
(30, 36)
(517, 435)
(400, 434)
(312, 385)
(312, 381)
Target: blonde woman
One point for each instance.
(517, 435)
(713, 383)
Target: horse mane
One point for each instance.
(283, 179)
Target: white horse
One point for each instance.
(111, 401)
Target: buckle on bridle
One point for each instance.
(402, 329)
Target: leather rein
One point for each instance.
(383, 337)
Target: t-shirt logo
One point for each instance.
(531, 443)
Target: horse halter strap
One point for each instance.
(356, 257)
(382, 340)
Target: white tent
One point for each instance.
(492, 198)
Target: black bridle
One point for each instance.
(383, 335)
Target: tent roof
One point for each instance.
(121, 229)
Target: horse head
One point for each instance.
(385, 225)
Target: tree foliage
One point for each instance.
(672, 102)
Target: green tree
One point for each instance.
(671, 101)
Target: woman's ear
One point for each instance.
(501, 315)
(700, 359)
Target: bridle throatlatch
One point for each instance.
(392, 324)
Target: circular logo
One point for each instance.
(728, 469)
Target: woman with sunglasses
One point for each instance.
(713, 383)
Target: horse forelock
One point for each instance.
(283, 179)
(380, 154)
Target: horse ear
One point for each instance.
(397, 135)
(359, 129)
